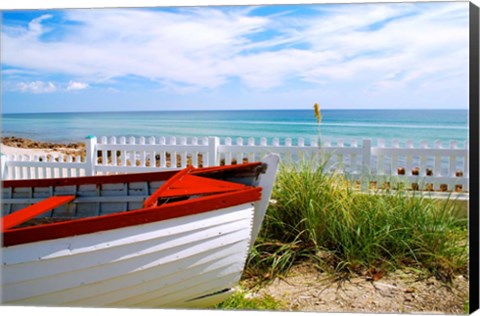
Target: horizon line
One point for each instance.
(226, 110)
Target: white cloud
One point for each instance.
(35, 27)
(73, 85)
(205, 48)
(36, 87)
(158, 45)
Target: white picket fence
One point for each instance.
(433, 168)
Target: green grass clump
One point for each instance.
(320, 216)
(242, 301)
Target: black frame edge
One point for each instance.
(474, 100)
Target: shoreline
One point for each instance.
(24, 146)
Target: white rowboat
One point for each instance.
(162, 239)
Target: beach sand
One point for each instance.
(403, 291)
(9, 151)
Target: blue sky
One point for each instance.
(343, 56)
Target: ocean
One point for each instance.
(403, 125)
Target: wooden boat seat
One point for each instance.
(23, 215)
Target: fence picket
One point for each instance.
(142, 154)
(301, 142)
(251, 154)
(340, 157)
(30, 172)
(453, 160)
(69, 170)
(381, 158)
(163, 156)
(12, 171)
(103, 140)
(36, 170)
(152, 154)
(438, 160)
(366, 161)
(409, 158)
(123, 153)
(263, 141)
(352, 168)
(173, 154)
(51, 170)
(423, 159)
(239, 155)
(196, 153)
(228, 155)
(184, 154)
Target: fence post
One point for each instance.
(3, 166)
(366, 164)
(90, 157)
(213, 143)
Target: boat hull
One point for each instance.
(184, 262)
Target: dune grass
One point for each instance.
(320, 217)
(242, 300)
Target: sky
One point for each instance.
(342, 56)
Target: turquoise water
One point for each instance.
(416, 125)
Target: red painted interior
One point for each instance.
(152, 200)
(193, 185)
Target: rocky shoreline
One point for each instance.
(19, 142)
(25, 143)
